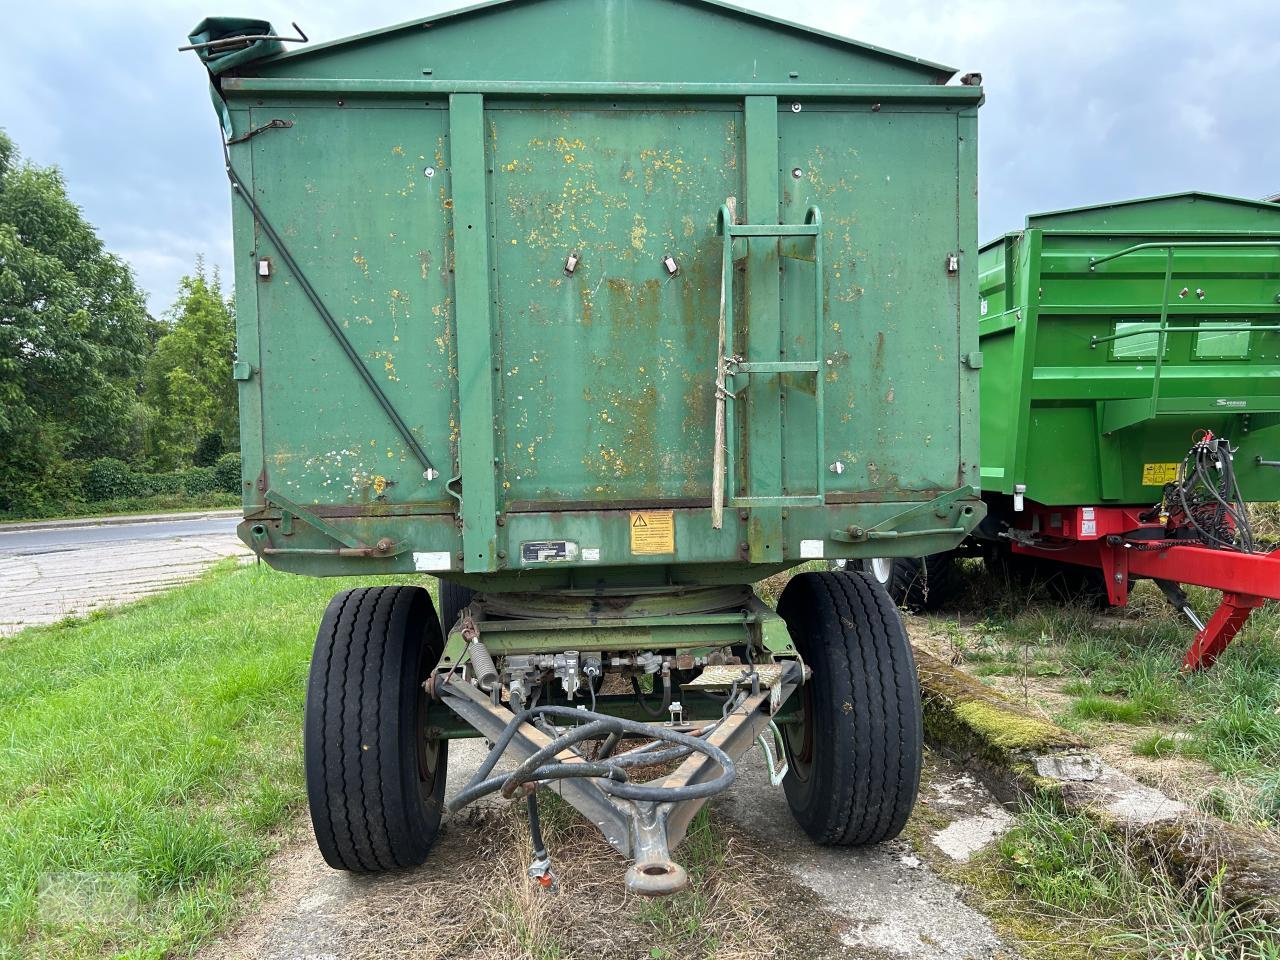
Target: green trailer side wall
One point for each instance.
(1073, 420)
(433, 209)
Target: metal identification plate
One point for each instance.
(1158, 474)
(548, 551)
(653, 531)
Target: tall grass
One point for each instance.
(1072, 890)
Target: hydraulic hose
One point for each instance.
(611, 772)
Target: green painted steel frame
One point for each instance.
(474, 291)
(1118, 414)
(871, 93)
(754, 625)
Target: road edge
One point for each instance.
(75, 523)
(1019, 755)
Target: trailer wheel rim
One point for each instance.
(428, 754)
(882, 569)
(798, 738)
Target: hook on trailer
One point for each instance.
(245, 40)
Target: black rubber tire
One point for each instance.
(454, 598)
(920, 583)
(854, 763)
(374, 785)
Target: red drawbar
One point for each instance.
(1104, 538)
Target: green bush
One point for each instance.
(208, 449)
(227, 472)
(197, 481)
(110, 479)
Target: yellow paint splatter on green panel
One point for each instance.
(638, 233)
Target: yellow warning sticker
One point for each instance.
(1158, 474)
(653, 531)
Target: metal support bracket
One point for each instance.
(946, 507)
(774, 756)
(276, 124)
(352, 546)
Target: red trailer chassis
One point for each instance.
(1115, 541)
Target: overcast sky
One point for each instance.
(1086, 102)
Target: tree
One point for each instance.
(72, 336)
(188, 377)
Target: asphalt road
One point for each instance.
(60, 569)
(60, 539)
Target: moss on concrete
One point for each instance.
(999, 740)
(986, 730)
(1006, 728)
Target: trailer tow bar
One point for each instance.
(643, 821)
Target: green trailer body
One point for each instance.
(524, 256)
(601, 311)
(1112, 334)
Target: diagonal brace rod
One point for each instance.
(412, 442)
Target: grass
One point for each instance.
(149, 758)
(152, 763)
(1066, 888)
(1123, 671)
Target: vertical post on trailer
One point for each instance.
(473, 310)
(1162, 338)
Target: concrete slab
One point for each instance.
(61, 571)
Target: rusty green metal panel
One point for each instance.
(524, 257)
(1079, 402)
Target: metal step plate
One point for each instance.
(723, 677)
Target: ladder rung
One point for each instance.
(774, 230)
(777, 366)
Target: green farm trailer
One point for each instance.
(601, 311)
(1131, 404)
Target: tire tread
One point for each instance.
(360, 787)
(865, 773)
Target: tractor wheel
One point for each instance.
(375, 785)
(916, 583)
(454, 598)
(854, 760)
